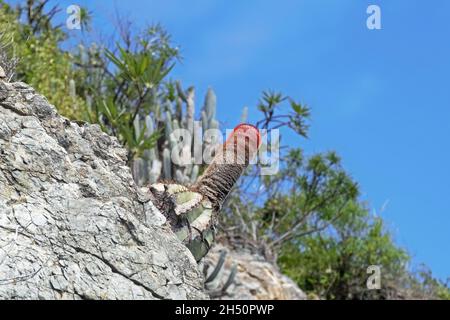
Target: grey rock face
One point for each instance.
(256, 278)
(73, 225)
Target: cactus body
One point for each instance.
(193, 211)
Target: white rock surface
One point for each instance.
(256, 278)
(73, 225)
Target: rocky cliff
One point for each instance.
(73, 224)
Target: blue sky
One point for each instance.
(380, 98)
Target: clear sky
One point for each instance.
(380, 98)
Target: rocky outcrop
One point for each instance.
(73, 225)
(256, 279)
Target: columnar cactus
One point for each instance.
(193, 211)
(191, 204)
(213, 279)
(168, 116)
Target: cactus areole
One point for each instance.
(192, 210)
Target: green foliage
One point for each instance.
(41, 61)
(296, 120)
(141, 68)
(125, 87)
(305, 196)
(334, 262)
(421, 284)
(312, 223)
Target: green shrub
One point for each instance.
(41, 61)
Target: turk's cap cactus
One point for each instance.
(190, 214)
(192, 211)
(228, 164)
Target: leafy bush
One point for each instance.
(124, 87)
(334, 263)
